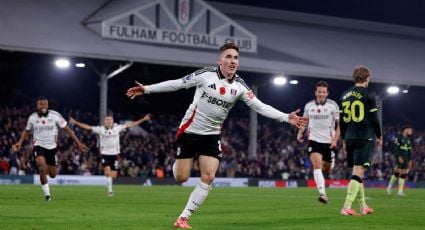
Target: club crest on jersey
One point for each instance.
(233, 92)
(222, 90)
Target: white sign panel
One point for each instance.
(154, 22)
(73, 180)
(220, 182)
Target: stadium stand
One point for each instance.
(147, 153)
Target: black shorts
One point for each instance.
(358, 152)
(48, 154)
(192, 145)
(111, 161)
(405, 164)
(327, 153)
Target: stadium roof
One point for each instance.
(288, 42)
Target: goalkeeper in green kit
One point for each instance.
(402, 147)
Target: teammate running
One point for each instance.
(44, 125)
(323, 116)
(109, 135)
(217, 91)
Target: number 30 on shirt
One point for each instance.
(353, 111)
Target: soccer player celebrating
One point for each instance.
(44, 125)
(109, 135)
(323, 116)
(217, 91)
(402, 147)
(359, 126)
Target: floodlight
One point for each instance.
(280, 80)
(62, 63)
(393, 90)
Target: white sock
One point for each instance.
(196, 198)
(46, 190)
(109, 184)
(320, 181)
(174, 170)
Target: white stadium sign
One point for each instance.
(189, 23)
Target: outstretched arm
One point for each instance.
(294, 119)
(71, 134)
(135, 91)
(268, 111)
(132, 124)
(80, 124)
(17, 146)
(166, 86)
(300, 134)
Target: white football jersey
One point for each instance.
(214, 97)
(321, 120)
(109, 138)
(45, 128)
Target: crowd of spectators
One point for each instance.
(147, 151)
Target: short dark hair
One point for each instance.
(361, 74)
(41, 98)
(322, 84)
(406, 127)
(227, 46)
(109, 114)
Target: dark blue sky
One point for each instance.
(400, 12)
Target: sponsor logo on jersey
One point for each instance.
(319, 117)
(215, 101)
(43, 128)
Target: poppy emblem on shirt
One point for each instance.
(222, 90)
(318, 110)
(43, 122)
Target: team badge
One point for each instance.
(183, 11)
(233, 92)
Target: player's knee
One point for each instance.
(180, 178)
(207, 178)
(327, 168)
(42, 169)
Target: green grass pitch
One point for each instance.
(138, 207)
